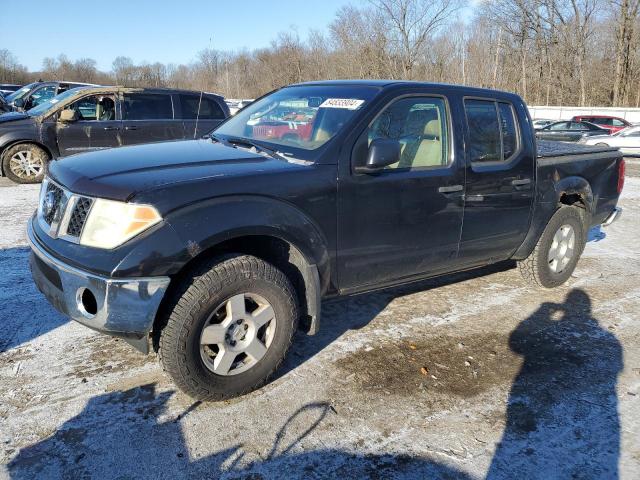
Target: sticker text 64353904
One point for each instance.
(347, 103)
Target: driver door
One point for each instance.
(404, 220)
(97, 126)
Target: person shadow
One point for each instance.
(561, 422)
(562, 416)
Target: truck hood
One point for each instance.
(121, 173)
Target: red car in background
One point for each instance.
(613, 124)
(285, 125)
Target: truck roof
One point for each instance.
(408, 83)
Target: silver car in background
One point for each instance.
(627, 140)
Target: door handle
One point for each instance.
(131, 127)
(474, 198)
(521, 183)
(109, 129)
(450, 189)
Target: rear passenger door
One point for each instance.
(199, 113)
(499, 182)
(149, 117)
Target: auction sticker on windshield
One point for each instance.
(347, 103)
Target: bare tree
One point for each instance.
(411, 23)
(626, 19)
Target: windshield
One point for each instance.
(299, 119)
(44, 107)
(20, 93)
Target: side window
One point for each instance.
(420, 125)
(484, 131)
(209, 108)
(559, 126)
(617, 123)
(41, 95)
(147, 106)
(493, 130)
(578, 126)
(95, 108)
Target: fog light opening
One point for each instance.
(87, 302)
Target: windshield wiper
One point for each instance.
(245, 142)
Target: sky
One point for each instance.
(154, 31)
(146, 30)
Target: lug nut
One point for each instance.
(239, 322)
(246, 327)
(233, 343)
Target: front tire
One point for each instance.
(558, 250)
(229, 328)
(25, 163)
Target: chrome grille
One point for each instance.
(51, 202)
(62, 214)
(79, 216)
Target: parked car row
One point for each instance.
(598, 130)
(89, 118)
(609, 123)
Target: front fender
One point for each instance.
(208, 223)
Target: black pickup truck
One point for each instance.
(213, 252)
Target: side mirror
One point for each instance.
(19, 103)
(382, 153)
(67, 116)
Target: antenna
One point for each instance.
(195, 131)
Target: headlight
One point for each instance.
(112, 223)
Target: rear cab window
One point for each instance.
(147, 106)
(494, 134)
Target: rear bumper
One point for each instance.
(613, 216)
(123, 307)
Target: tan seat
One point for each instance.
(429, 153)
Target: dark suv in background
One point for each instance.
(35, 93)
(95, 118)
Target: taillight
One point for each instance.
(621, 169)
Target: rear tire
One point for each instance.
(558, 250)
(25, 163)
(208, 345)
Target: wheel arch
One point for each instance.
(274, 249)
(569, 191)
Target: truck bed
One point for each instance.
(597, 165)
(548, 149)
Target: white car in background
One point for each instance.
(627, 140)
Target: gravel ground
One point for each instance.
(474, 375)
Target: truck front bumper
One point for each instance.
(122, 307)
